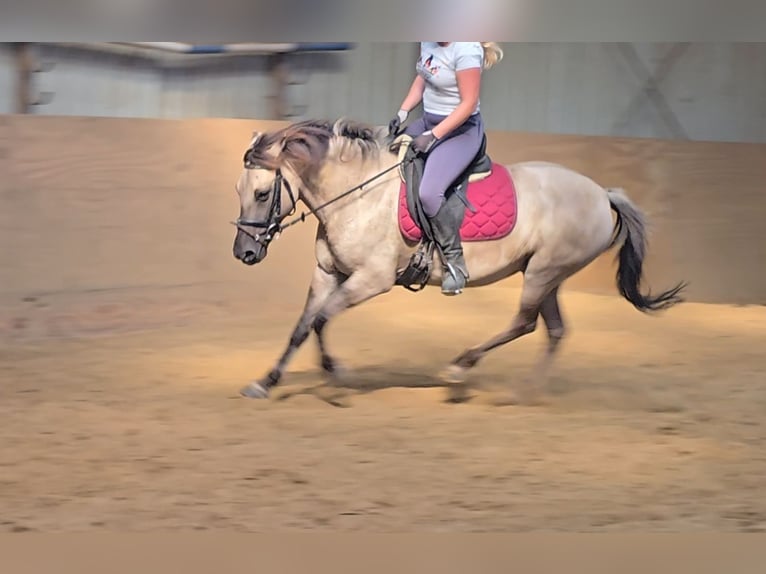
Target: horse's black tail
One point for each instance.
(631, 230)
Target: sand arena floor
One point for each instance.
(124, 415)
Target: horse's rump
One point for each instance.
(494, 198)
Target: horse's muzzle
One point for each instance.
(251, 256)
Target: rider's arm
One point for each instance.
(469, 85)
(415, 95)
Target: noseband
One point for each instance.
(273, 224)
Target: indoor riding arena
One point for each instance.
(127, 326)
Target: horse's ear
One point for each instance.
(288, 144)
(291, 139)
(256, 136)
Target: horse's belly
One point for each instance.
(488, 261)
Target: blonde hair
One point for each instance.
(493, 53)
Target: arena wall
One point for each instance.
(90, 205)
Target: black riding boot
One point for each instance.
(446, 231)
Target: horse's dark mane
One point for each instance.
(306, 144)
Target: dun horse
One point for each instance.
(563, 221)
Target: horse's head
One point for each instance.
(266, 197)
(276, 163)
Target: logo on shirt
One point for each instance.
(428, 65)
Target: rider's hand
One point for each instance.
(396, 122)
(424, 142)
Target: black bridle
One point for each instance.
(273, 224)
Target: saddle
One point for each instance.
(479, 168)
(419, 268)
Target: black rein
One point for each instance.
(273, 225)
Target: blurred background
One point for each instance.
(127, 326)
(688, 91)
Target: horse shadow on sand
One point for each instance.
(574, 388)
(336, 390)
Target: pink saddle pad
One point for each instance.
(494, 198)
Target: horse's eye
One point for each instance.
(262, 195)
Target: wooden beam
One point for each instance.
(24, 71)
(280, 74)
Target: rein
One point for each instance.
(313, 211)
(273, 225)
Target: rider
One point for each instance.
(450, 132)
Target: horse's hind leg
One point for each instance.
(551, 314)
(539, 284)
(523, 323)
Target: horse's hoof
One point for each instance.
(453, 374)
(255, 390)
(458, 394)
(334, 369)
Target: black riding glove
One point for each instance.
(424, 142)
(396, 123)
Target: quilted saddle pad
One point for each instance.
(494, 198)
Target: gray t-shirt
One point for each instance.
(438, 65)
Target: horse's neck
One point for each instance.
(363, 209)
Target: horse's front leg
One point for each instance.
(322, 286)
(362, 285)
(330, 364)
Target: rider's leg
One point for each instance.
(416, 128)
(446, 161)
